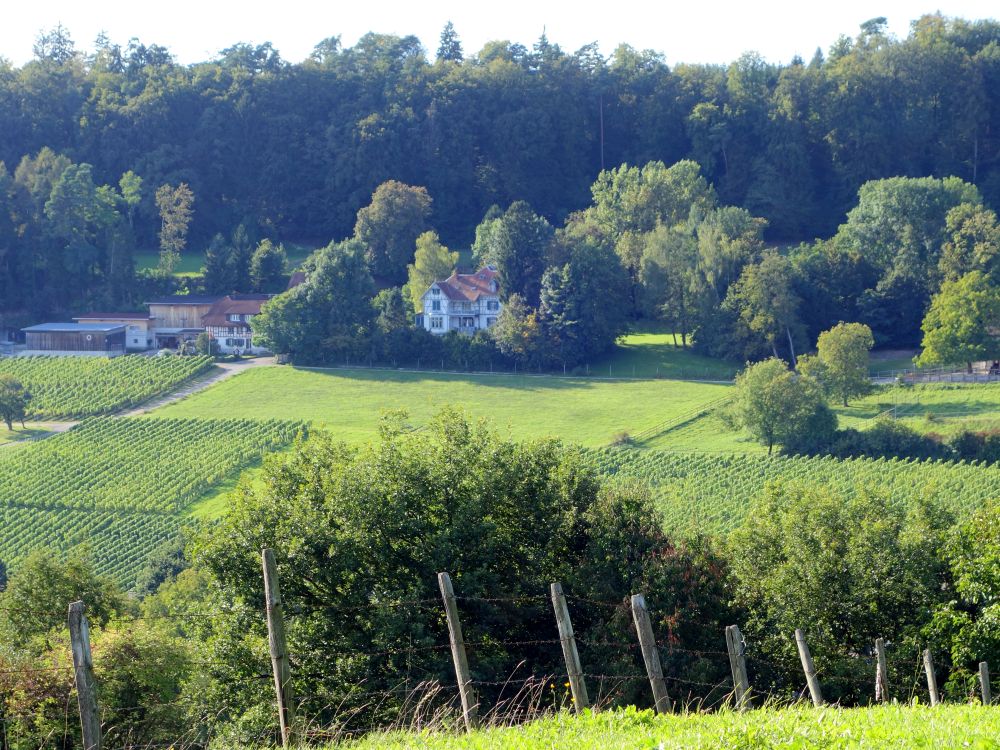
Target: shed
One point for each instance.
(68, 339)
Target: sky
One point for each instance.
(706, 31)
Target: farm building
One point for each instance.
(228, 322)
(64, 339)
(178, 318)
(138, 327)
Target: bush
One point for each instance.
(846, 570)
(357, 529)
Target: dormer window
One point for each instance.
(435, 291)
(493, 286)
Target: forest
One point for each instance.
(251, 143)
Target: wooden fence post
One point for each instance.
(650, 654)
(931, 677)
(470, 709)
(736, 647)
(881, 672)
(574, 670)
(809, 669)
(83, 669)
(984, 683)
(279, 648)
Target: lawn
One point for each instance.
(651, 352)
(191, 262)
(586, 411)
(932, 407)
(892, 726)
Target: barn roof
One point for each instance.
(114, 316)
(74, 328)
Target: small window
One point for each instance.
(492, 305)
(436, 305)
(234, 317)
(435, 291)
(437, 322)
(491, 322)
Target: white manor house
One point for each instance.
(464, 302)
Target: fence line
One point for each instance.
(726, 677)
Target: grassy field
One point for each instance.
(894, 726)
(933, 407)
(191, 262)
(586, 411)
(651, 352)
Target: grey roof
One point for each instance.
(187, 299)
(74, 328)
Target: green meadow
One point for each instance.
(588, 411)
(891, 726)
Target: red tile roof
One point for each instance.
(237, 304)
(470, 286)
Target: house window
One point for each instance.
(491, 322)
(492, 305)
(436, 305)
(235, 318)
(235, 342)
(437, 322)
(435, 291)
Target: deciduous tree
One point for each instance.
(176, 208)
(962, 323)
(14, 400)
(389, 226)
(432, 261)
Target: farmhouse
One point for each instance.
(138, 327)
(177, 318)
(228, 322)
(464, 302)
(86, 339)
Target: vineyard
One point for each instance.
(700, 492)
(122, 484)
(73, 387)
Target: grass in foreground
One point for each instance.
(349, 402)
(895, 726)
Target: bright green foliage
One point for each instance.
(966, 627)
(432, 262)
(962, 323)
(974, 244)
(42, 587)
(843, 356)
(358, 530)
(638, 199)
(776, 405)
(706, 493)
(389, 226)
(62, 387)
(668, 271)
(14, 400)
(844, 569)
(796, 728)
(122, 484)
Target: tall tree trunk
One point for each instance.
(774, 350)
(791, 347)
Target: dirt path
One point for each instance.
(224, 370)
(39, 431)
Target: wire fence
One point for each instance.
(485, 678)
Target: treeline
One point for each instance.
(296, 149)
(360, 533)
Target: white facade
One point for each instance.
(463, 302)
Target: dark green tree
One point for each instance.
(268, 266)
(519, 248)
(326, 317)
(389, 226)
